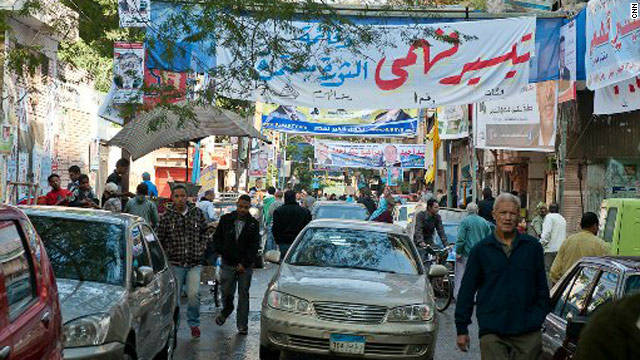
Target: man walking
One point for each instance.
(182, 233)
(577, 246)
(151, 187)
(143, 207)
(554, 231)
(485, 207)
(535, 229)
(268, 218)
(472, 229)
(428, 222)
(506, 281)
(288, 220)
(237, 239)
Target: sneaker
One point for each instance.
(220, 320)
(243, 331)
(195, 332)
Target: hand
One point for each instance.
(240, 269)
(463, 342)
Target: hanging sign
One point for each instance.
(128, 72)
(134, 13)
(567, 83)
(453, 122)
(368, 155)
(618, 98)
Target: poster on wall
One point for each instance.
(525, 122)
(394, 176)
(6, 140)
(128, 72)
(567, 83)
(259, 160)
(453, 122)
(134, 13)
(618, 98)
(369, 155)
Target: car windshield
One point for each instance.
(83, 250)
(342, 212)
(355, 249)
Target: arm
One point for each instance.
(253, 246)
(556, 271)
(546, 231)
(440, 230)
(161, 232)
(462, 238)
(419, 227)
(467, 292)
(276, 228)
(154, 215)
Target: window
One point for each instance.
(577, 297)
(604, 291)
(610, 225)
(559, 305)
(157, 255)
(633, 285)
(140, 253)
(16, 265)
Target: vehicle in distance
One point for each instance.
(339, 210)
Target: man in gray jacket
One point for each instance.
(143, 207)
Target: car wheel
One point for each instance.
(268, 354)
(170, 346)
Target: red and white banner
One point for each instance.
(621, 97)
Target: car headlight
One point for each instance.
(86, 331)
(286, 302)
(420, 312)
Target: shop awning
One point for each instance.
(138, 140)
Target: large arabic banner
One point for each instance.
(618, 98)
(525, 121)
(354, 155)
(613, 43)
(340, 122)
(453, 122)
(455, 65)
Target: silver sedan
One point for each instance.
(350, 288)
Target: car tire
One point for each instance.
(170, 347)
(268, 354)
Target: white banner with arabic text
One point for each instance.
(618, 98)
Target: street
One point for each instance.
(224, 343)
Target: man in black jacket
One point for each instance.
(485, 207)
(236, 240)
(288, 220)
(505, 278)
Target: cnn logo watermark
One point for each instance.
(634, 10)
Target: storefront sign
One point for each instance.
(618, 98)
(453, 122)
(128, 72)
(355, 155)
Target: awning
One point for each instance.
(136, 138)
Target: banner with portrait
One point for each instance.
(394, 176)
(134, 13)
(128, 72)
(259, 162)
(453, 122)
(568, 61)
(368, 155)
(525, 121)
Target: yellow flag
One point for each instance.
(433, 144)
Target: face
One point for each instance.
(243, 208)
(546, 93)
(507, 215)
(122, 169)
(542, 211)
(390, 154)
(73, 176)
(179, 198)
(434, 209)
(84, 185)
(55, 183)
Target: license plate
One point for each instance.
(347, 344)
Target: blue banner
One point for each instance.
(386, 129)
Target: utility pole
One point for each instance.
(563, 118)
(474, 174)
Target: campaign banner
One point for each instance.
(453, 122)
(394, 176)
(340, 122)
(613, 43)
(208, 178)
(164, 86)
(134, 13)
(525, 121)
(568, 60)
(128, 72)
(618, 98)
(442, 55)
(259, 161)
(369, 155)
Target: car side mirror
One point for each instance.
(272, 256)
(144, 276)
(437, 270)
(575, 325)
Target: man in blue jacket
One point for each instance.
(505, 278)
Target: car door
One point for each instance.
(28, 318)
(569, 300)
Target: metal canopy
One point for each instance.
(138, 140)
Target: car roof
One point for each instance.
(83, 214)
(333, 203)
(10, 212)
(357, 225)
(626, 263)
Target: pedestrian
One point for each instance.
(333, 197)
(427, 194)
(366, 200)
(485, 207)
(151, 187)
(471, 231)
(83, 195)
(271, 244)
(577, 246)
(57, 196)
(113, 202)
(535, 229)
(236, 240)
(74, 175)
(140, 205)
(122, 168)
(268, 199)
(182, 231)
(206, 205)
(308, 200)
(554, 232)
(428, 222)
(288, 220)
(506, 281)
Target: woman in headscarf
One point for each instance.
(113, 202)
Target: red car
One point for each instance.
(30, 320)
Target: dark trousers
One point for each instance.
(517, 347)
(230, 280)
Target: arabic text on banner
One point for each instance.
(533, 4)
(618, 98)
(396, 76)
(526, 121)
(453, 122)
(354, 155)
(134, 13)
(128, 72)
(340, 122)
(567, 83)
(613, 43)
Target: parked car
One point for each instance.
(118, 296)
(590, 283)
(620, 224)
(350, 288)
(339, 210)
(30, 320)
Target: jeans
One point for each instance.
(191, 277)
(460, 266)
(230, 280)
(270, 245)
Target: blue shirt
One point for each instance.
(153, 190)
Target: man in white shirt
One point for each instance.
(206, 205)
(554, 232)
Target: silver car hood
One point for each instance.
(352, 286)
(82, 298)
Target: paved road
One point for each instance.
(223, 343)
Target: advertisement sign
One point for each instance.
(395, 76)
(340, 122)
(453, 122)
(259, 160)
(208, 177)
(221, 156)
(567, 83)
(618, 98)
(613, 43)
(134, 13)
(368, 155)
(128, 72)
(526, 121)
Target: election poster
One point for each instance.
(208, 178)
(453, 122)
(340, 122)
(394, 176)
(525, 121)
(6, 141)
(259, 161)
(618, 98)
(368, 155)
(567, 83)
(128, 72)
(134, 13)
